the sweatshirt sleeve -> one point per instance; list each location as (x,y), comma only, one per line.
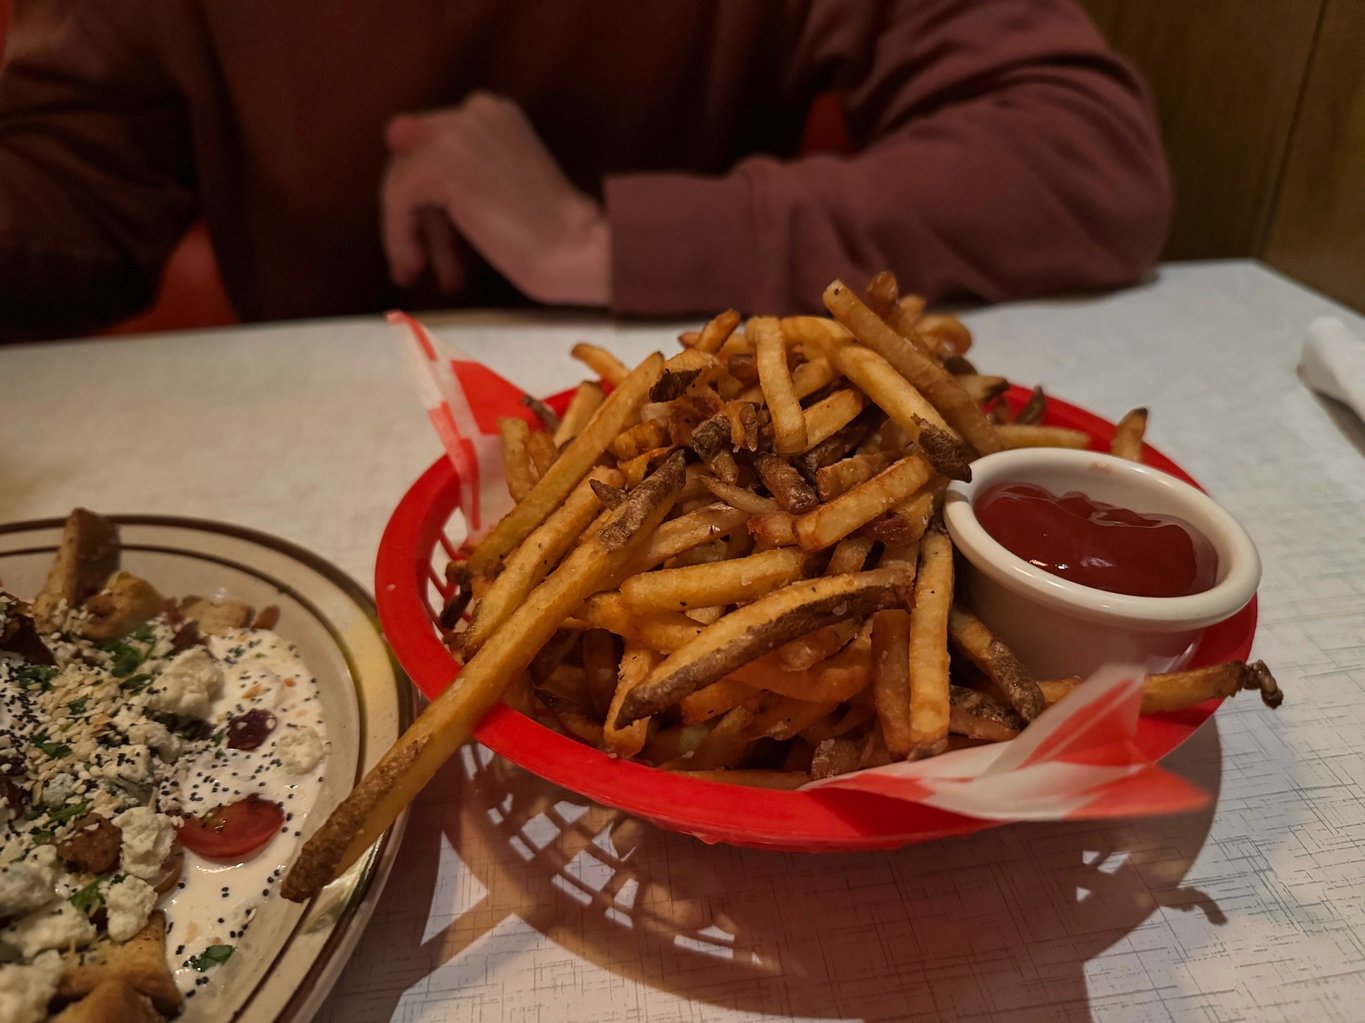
(1003,151)
(95,171)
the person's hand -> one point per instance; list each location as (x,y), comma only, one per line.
(481,165)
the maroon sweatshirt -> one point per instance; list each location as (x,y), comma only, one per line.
(1001,149)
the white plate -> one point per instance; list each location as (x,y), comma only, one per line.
(283,970)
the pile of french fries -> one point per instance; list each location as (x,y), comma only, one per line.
(730,563)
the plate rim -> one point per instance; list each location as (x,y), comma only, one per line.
(349,924)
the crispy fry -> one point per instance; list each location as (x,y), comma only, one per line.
(535,558)
(834,680)
(717,331)
(842,476)
(1127,442)
(659,630)
(637,439)
(637,468)
(548,419)
(789,424)
(888,389)
(677,589)
(600,661)
(714,700)
(773,529)
(810,376)
(785,717)
(830,415)
(757,629)
(937,385)
(669,745)
(739,497)
(928,646)
(600,361)
(571,466)
(834,757)
(1015,435)
(836,519)
(541,447)
(584,405)
(516,460)
(691,530)
(1265,682)
(450,719)
(683,371)
(636,664)
(792,493)
(1032,411)
(891,679)
(833,448)
(981,388)
(997,661)
(946,334)
(573,718)
(1181,689)
(812,333)
(977,716)
(725,744)
(805,652)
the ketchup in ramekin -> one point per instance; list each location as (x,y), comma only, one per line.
(1097,544)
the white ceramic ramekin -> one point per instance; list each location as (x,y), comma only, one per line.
(1058,627)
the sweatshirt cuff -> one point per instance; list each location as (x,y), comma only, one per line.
(681,244)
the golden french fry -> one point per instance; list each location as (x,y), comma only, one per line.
(789,424)
(600,361)
(636,664)
(1032,411)
(548,419)
(683,371)
(811,376)
(830,415)
(717,331)
(788,487)
(759,628)
(928,646)
(1128,434)
(541,447)
(725,744)
(946,334)
(739,497)
(891,679)
(936,384)
(533,560)
(711,522)
(834,757)
(600,664)
(572,465)
(636,440)
(842,476)
(977,716)
(785,717)
(997,661)
(834,680)
(727,582)
(887,388)
(982,388)
(516,460)
(773,529)
(812,333)
(584,405)
(448,722)
(1181,689)
(714,700)
(1016,435)
(836,519)
(805,652)
(658,630)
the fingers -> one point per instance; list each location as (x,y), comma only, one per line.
(438,241)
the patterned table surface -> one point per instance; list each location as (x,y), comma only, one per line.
(515,901)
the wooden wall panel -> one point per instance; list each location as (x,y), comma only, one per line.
(1318,230)
(1104,13)
(1227,78)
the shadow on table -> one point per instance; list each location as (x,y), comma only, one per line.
(999,922)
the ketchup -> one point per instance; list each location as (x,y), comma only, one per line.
(1097,544)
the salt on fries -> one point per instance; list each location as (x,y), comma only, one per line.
(731,565)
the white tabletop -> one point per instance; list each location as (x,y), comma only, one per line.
(516,901)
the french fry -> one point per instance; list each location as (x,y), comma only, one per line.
(658,630)
(682,371)
(541,447)
(1181,689)
(1032,411)
(845,474)
(832,448)
(548,419)
(450,719)
(600,361)
(600,661)
(888,389)
(929,378)
(790,490)
(636,664)
(516,460)
(533,560)
(785,717)
(928,647)
(944,333)
(773,529)
(982,388)
(813,333)
(836,519)
(977,716)
(1127,442)
(834,757)
(997,661)
(834,680)
(854,716)
(830,415)
(811,376)
(717,331)
(671,745)
(572,717)
(585,403)
(572,465)
(789,424)
(805,652)
(636,440)
(725,743)
(891,679)
(739,497)
(714,700)
(703,525)
(759,628)
(1016,435)
(677,589)
(883,298)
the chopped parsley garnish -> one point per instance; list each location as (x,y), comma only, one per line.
(135,683)
(77,706)
(143,633)
(212,956)
(68,813)
(55,750)
(40,837)
(89,898)
(126,658)
(35,676)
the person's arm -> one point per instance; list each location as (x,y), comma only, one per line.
(95,168)
(1005,152)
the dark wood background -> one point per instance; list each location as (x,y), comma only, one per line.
(1262,105)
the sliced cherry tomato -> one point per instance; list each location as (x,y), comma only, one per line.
(234,831)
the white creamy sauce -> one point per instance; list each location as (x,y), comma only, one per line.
(214,901)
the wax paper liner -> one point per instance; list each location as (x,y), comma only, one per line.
(1077,760)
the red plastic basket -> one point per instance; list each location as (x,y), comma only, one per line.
(410,588)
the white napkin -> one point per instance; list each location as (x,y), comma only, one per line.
(1333,362)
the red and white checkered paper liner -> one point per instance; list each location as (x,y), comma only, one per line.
(1078,760)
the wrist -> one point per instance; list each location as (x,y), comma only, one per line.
(577,271)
